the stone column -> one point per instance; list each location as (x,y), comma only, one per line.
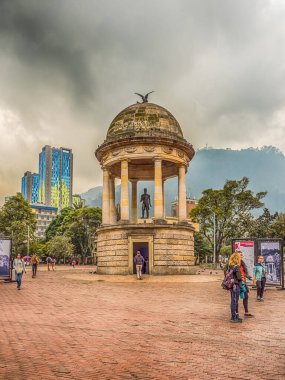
(113,217)
(124,190)
(163,201)
(182,193)
(134,201)
(158,200)
(106,198)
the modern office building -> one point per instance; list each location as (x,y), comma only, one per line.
(55,177)
(45,215)
(30,187)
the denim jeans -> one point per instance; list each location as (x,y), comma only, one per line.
(260,287)
(235,292)
(34,268)
(245,302)
(19,279)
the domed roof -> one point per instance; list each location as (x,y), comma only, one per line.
(144,119)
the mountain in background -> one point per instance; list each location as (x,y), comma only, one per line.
(210,168)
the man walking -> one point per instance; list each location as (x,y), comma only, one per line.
(48,262)
(34,261)
(139,261)
(259,275)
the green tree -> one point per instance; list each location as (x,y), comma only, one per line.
(78,204)
(229,209)
(55,228)
(16,219)
(262,225)
(201,247)
(60,247)
(226,250)
(277,229)
(38,248)
(81,228)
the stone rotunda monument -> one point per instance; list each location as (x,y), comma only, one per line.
(144,142)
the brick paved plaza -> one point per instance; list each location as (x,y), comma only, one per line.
(66,324)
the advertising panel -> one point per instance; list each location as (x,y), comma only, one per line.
(5,256)
(272,254)
(247,247)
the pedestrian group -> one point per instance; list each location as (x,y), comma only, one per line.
(20,267)
(236,274)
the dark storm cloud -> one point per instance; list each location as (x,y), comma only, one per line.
(68,66)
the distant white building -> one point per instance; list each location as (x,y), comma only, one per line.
(45,215)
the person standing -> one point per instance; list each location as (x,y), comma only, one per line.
(48,262)
(73,263)
(259,276)
(53,261)
(244,294)
(139,261)
(20,269)
(34,261)
(234,268)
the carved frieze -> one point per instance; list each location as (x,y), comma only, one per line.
(167,149)
(149,148)
(180,153)
(130,149)
(116,152)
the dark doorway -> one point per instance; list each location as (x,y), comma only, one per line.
(143,248)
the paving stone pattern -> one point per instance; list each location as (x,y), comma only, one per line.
(58,327)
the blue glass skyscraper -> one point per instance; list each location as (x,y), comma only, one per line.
(55,177)
(30,187)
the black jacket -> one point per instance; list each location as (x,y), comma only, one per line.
(237,275)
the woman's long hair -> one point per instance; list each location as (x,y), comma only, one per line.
(235,259)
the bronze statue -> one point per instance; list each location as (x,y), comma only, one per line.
(145,199)
(144,97)
(118,211)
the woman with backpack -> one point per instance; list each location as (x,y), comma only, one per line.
(236,279)
(20,269)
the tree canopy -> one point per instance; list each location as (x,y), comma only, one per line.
(81,228)
(263,225)
(229,209)
(60,247)
(16,216)
(79,225)
(55,227)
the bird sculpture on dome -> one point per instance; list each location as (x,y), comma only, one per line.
(144,97)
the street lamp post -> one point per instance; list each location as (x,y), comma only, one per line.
(214,240)
(28,245)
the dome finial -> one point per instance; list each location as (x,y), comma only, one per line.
(144,97)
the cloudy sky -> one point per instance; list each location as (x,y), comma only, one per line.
(67,67)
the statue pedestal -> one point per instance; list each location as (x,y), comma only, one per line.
(168,249)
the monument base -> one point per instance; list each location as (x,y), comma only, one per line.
(167,249)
